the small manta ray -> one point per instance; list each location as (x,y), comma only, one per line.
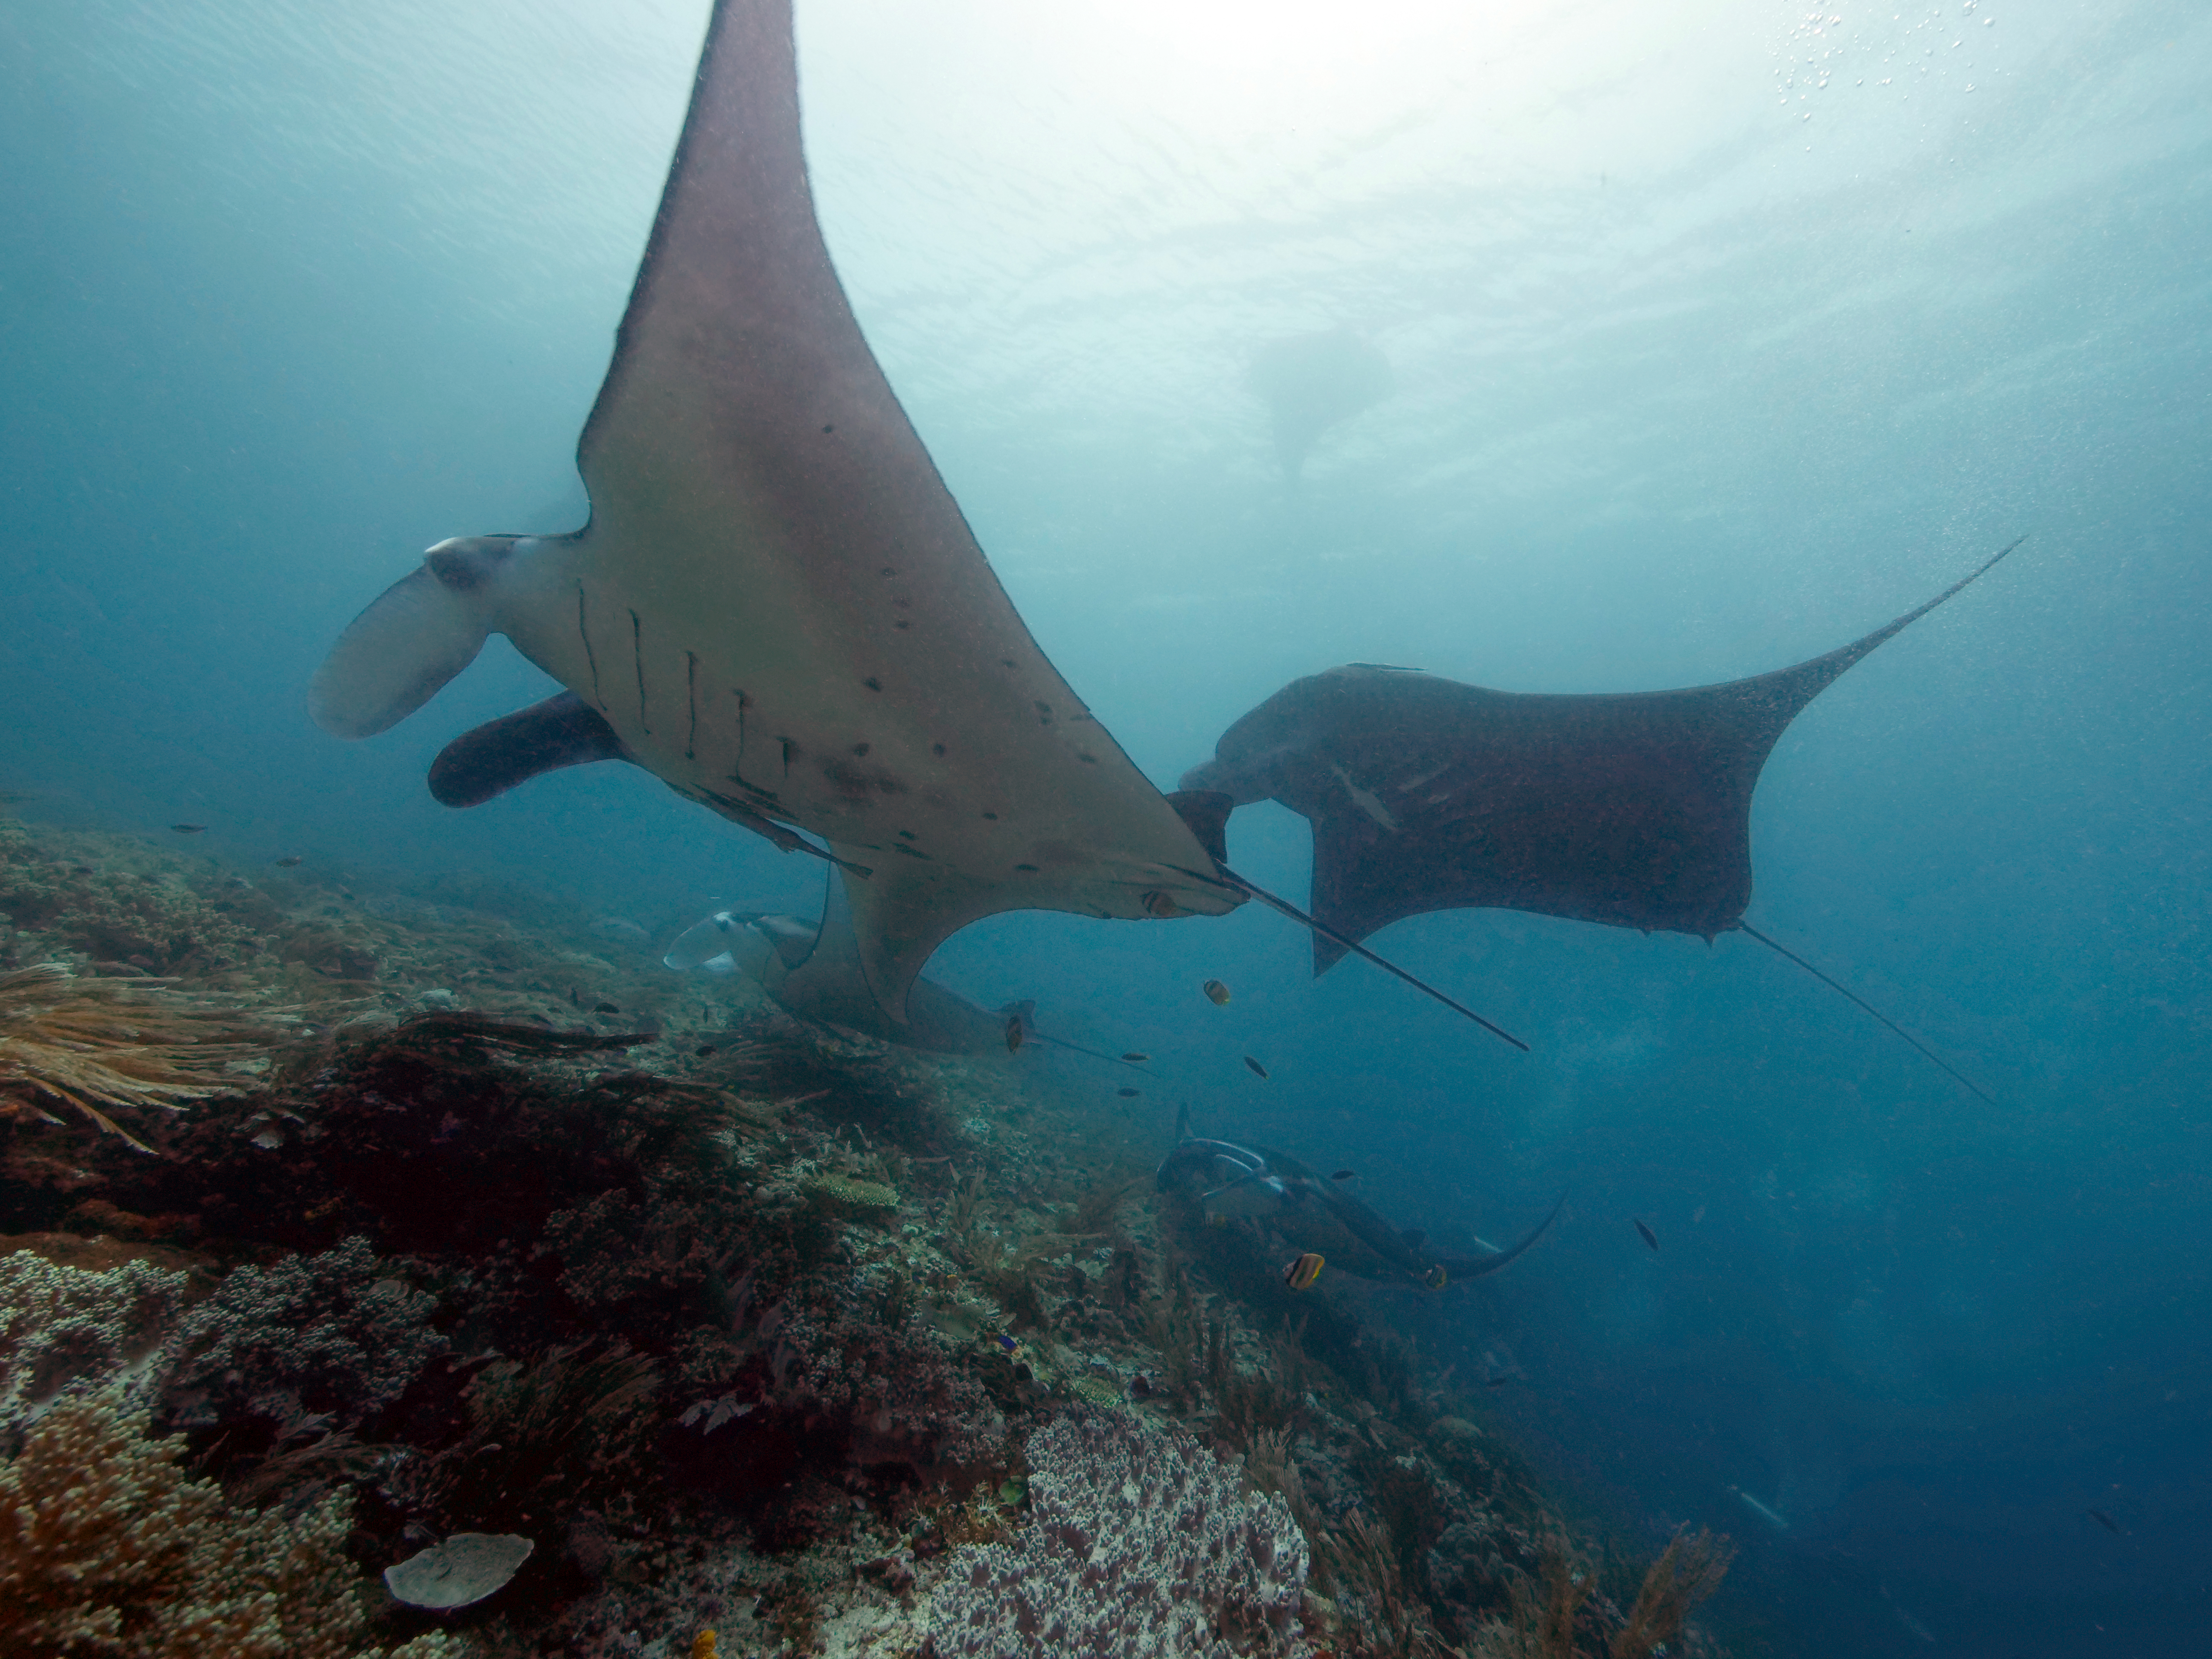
(1235,1181)
(811,970)
(1309,382)
(1631,808)
(776,607)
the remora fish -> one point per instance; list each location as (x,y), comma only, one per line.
(1760,1509)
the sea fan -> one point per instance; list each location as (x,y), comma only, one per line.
(105,1043)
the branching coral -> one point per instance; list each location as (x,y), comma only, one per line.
(63,1326)
(130,906)
(1691,1569)
(1542,1625)
(95,1043)
(1141,1544)
(107,1547)
(1365,1565)
(332,1335)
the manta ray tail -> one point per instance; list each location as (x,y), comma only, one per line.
(1788,954)
(1022,1010)
(1231,878)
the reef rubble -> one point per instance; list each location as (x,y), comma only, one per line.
(741,1325)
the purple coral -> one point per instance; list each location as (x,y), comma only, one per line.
(1141,1544)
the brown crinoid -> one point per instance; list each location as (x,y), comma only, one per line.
(95,1043)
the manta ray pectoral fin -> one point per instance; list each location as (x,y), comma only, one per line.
(492,758)
(425,628)
(721,934)
(1491,1264)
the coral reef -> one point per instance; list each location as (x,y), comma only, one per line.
(65,1330)
(106,1546)
(1545,1610)
(95,1043)
(743,1324)
(544,1440)
(123,910)
(1687,1571)
(1141,1544)
(332,1338)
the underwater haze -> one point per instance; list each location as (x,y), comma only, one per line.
(1719,333)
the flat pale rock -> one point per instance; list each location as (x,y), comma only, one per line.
(464,1570)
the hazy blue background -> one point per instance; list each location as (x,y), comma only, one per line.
(1722,331)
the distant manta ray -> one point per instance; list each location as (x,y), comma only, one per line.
(1232,1181)
(1309,382)
(1629,809)
(776,607)
(811,970)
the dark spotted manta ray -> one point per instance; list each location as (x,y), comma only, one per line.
(776,607)
(1633,810)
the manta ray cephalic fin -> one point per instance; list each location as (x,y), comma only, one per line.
(417,633)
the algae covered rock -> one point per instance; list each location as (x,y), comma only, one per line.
(1094,1390)
(851,1198)
(1450,1435)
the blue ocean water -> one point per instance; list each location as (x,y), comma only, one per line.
(1721,333)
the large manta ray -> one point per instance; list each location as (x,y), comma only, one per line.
(1631,808)
(777,607)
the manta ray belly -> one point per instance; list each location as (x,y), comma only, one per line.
(752,705)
